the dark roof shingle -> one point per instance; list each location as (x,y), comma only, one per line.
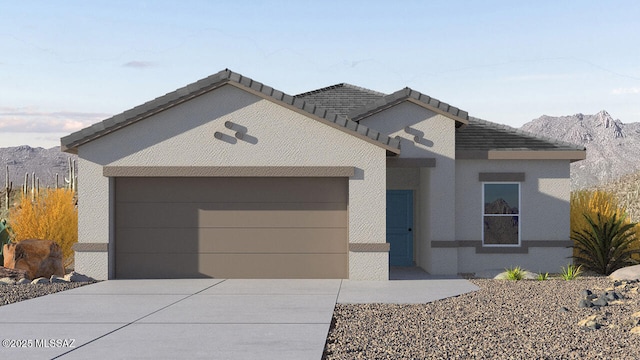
(341,98)
(485,135)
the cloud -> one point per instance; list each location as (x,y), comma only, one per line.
(139,64)
(29,120)
(624,91)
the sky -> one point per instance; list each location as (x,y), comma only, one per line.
(65,65)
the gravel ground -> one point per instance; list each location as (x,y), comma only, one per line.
(14,293)
(503,320)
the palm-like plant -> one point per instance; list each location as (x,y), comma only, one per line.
(605,246)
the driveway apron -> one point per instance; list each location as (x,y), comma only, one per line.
(196,318)
(174,319)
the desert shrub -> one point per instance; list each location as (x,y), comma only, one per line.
(5,237)
(606,245)
(52,216)
(515,273)
(571,272)
(593,202)
(542,277)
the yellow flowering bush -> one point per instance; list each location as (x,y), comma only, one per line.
(52,216)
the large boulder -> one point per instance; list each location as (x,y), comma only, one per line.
(626,273)
(40,258)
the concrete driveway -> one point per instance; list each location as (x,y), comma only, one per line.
(196,318)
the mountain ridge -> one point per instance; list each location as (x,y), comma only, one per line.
(613,147)
(38,161)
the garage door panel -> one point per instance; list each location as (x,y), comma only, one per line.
(156,215)
(232,190)
(235,266)
(272,219)
(209,240)
(231,227)
(186,215)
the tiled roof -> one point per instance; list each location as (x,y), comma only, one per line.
(341,98)
(341,105)
(485,135)
(72,141)
(460,116)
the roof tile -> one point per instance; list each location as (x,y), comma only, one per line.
(72,141)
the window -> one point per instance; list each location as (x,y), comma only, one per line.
(501,214)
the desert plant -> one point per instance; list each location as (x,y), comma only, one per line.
(607,245)
(5,238)
(542,277)
(52,216)
(571,272)
(594,202)
(515,273)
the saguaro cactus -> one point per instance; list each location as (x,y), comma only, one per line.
(25,186)
(8,187)
(72,181)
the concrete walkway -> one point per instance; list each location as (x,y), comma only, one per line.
(197,318)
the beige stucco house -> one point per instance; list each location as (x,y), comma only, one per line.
(230,178)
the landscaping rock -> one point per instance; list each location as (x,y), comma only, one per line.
(7,280)
(591,322)
(627,273)
(23,281)
(563,309)
(40,258)
(635,330)
(77,277)
(612,295)
(585,303)
(57,279)
(40,280)
(586,292)
(600,301)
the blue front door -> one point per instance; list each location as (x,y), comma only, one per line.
(400,227)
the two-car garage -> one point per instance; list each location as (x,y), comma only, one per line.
(231,227)
(230,178)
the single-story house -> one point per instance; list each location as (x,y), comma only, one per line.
(230,178)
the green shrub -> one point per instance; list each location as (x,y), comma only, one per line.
(515,273)
(542,277)
(571,272)
(5,238)
(607,244)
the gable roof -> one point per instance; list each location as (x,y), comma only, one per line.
(475,138)
(460,116)
(342,106)
(358,103)
(485,139)
(71,142)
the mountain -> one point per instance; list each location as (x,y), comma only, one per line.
(45,163)
(499,206)
(613,148)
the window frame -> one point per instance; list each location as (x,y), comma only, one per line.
(519,244)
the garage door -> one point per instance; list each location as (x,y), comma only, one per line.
(231,227)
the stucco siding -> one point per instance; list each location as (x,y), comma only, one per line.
(538,259)
(273,136)
(544,212)
(425,134)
